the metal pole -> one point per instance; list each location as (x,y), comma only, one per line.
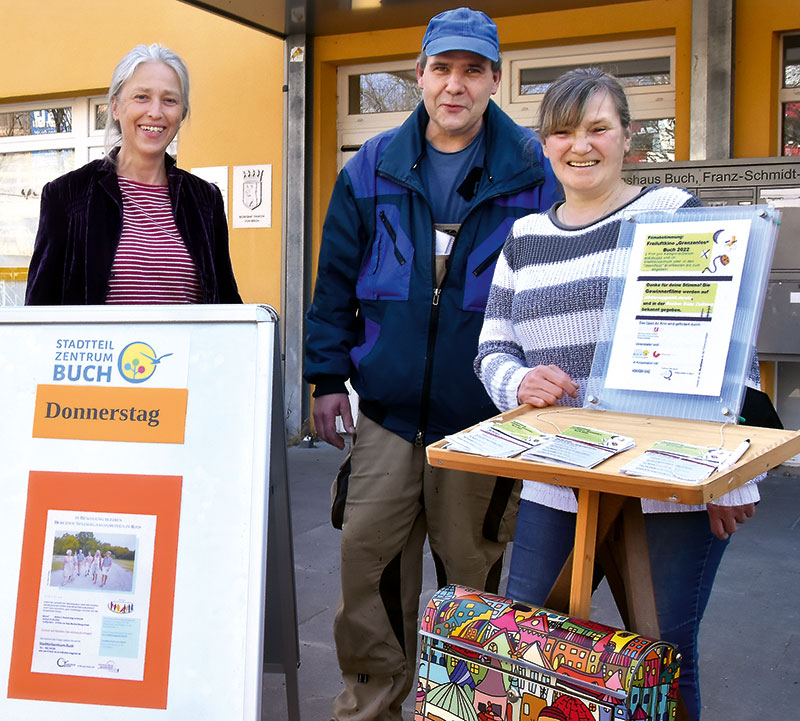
(712,80)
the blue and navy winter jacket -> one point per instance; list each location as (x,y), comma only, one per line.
(377,317)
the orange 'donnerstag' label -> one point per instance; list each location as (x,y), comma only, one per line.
(92,413)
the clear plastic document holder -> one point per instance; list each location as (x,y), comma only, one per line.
(680,321)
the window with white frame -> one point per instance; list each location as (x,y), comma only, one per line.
(38,142)
(644,67)
(380,96)
(371,99)
(790,95)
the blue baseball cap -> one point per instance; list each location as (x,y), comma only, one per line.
(462,29)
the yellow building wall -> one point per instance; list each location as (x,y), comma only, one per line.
(759,25)
(647,18)
(70,49)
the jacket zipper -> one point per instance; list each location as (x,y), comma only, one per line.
(397,254)
(419,436)
(484,264)
(433,327)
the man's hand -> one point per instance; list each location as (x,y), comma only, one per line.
(544,385)
(326,409)
(724,520)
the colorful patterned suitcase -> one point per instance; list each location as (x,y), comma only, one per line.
(488,658)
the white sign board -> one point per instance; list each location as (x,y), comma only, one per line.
(251,200)
(218,175)
(135,446)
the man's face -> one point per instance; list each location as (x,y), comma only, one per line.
(456,87)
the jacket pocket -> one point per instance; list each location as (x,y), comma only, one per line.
(480,267)
(386,274)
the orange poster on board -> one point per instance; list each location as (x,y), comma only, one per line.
(96,589)
(109,413)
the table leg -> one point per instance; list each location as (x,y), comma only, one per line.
(580,602)
(636,572)
(610,508)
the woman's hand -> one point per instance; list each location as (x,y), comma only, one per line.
(544,385)
(724,520)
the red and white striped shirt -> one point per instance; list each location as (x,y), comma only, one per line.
(152,264)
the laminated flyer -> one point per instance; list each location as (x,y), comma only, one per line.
(676,314)
(496,439)
(578,446)
(94,595)
(675,461)
(483,443)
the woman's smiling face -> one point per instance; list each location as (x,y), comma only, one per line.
(587,159)
(149,110)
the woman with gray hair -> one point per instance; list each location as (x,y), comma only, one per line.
(133,228)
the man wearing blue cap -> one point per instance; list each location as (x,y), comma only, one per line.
(415,224)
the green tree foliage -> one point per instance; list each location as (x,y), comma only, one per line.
(86,542)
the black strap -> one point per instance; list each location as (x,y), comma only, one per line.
(757,410)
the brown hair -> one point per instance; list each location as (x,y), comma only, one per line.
(565,100)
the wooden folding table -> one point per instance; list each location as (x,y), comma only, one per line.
(610,523)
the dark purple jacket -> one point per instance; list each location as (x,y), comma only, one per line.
(80,225)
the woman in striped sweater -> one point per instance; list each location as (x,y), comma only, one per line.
(538,341)
(132,227)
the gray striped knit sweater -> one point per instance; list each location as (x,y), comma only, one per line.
(545,305)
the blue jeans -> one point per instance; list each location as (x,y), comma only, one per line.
(684,556)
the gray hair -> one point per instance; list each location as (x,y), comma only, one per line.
(126,67)
(565,100)
(422,59)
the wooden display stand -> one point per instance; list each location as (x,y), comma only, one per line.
(610,523)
